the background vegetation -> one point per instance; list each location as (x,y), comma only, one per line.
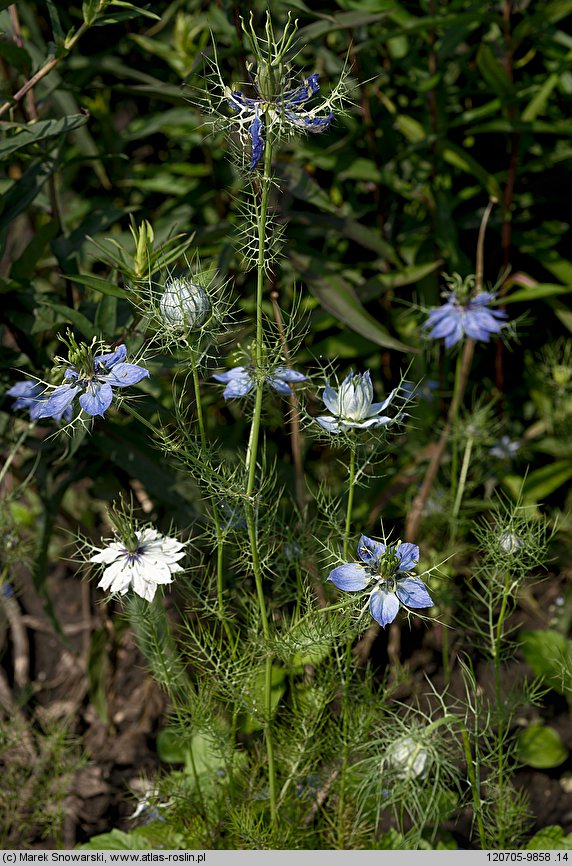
(450,104)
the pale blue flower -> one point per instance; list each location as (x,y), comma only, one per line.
(240,381)
(473,318)
(288,110)
(505,449)
(352,405)
(31,396)
(385,571)
(93,384)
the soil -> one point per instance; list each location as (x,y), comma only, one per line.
(112,710)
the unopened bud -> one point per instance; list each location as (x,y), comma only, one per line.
(408,758)
(184,303)
(510,543)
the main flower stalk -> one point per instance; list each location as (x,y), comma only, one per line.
(251,457)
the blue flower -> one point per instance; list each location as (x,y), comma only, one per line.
(384,568)
(353,406)
(240,381)
(94,384)
(287,110)
(505,449)
(31,396)
(473,319)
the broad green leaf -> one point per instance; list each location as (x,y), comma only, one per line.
(538,102)
(157,835)
(106,316)
(24,267)
(410,128)
(340,21)
(495,74)
(74,317)
(459,158)
(140,10)
(339,298)
(534,293)
(301,185)
(21,194)
(395,279)
(99,284)
(57,29)
(540,483)
(361,169)
(15,55)
(39,131)
(541,747)
(563,312)
(550,839)
(549,654)
(368,238)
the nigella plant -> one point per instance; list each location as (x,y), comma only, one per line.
(289,110)
(352,405)
(464,314)
(240,381)
(31,395)
(143,561)
(91,377)
(384,571)
(281,103)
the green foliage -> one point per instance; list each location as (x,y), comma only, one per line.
(541,747)
(290,722)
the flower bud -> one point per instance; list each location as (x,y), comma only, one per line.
(510,543)
(184,303)
(408,758)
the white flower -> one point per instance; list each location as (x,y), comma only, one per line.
(184,303)
(152,562)
(352,405)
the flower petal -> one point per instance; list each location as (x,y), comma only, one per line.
(97,398)
(123,375)
(370,551)
(413,593)
(58,402)
(408,555)
(332,425)
(330,398)
(289,375)
(383,606)
(240,382)
(255,130)
(350,577)
(111,358)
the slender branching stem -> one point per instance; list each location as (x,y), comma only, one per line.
(214,507)
(350,503)
(345,749)
(251,457)
(44,70)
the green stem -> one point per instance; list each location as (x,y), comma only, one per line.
(214,508)
(345,756)
(251,457)
(45,69)
(461,486)
(473,781)
(455,424)
(349,507)
(502,725)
